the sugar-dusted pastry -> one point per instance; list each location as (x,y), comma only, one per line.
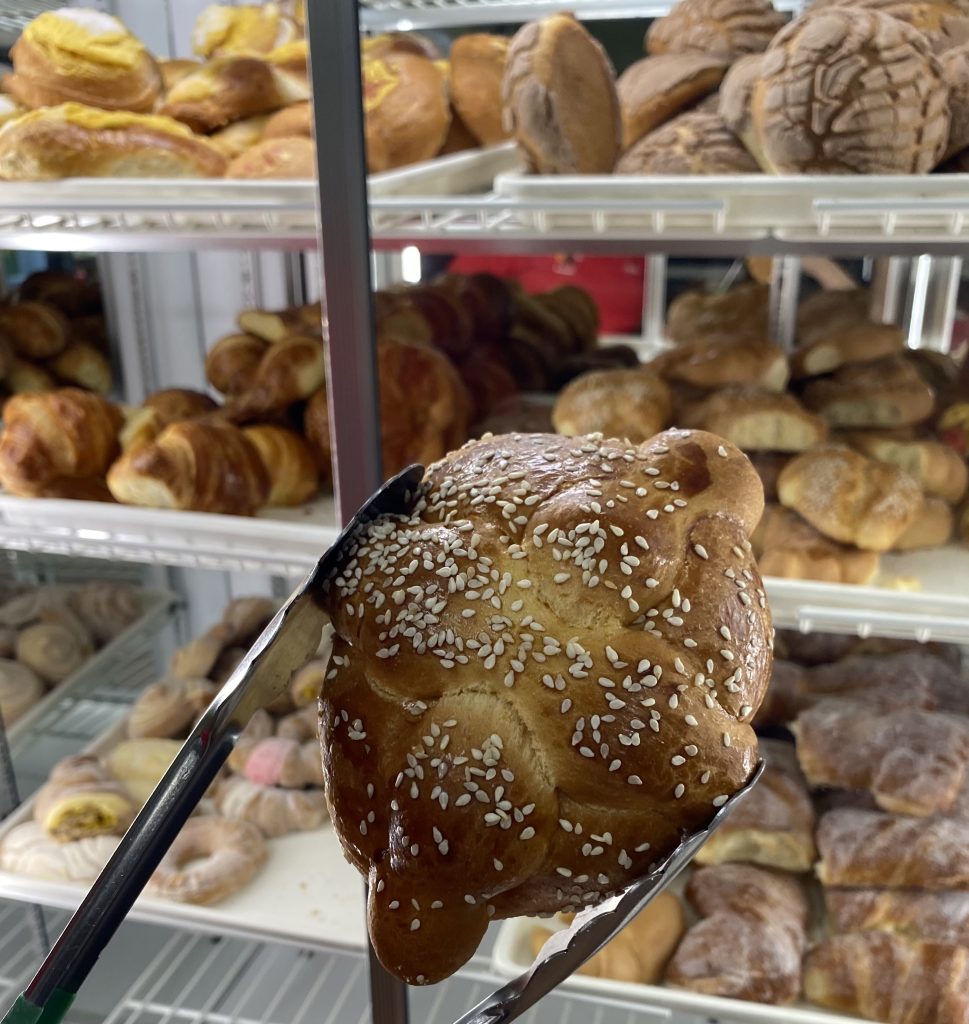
(27,849)
(20,689)
(275,810)
(627,568)
(756,419)
(633,403)
(169,707)
(73,55)
(106,607)
(52,650)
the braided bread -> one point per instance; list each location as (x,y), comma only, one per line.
(538,739)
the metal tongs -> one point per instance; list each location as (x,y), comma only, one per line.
(284,646)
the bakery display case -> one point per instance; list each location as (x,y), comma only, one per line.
(179,260)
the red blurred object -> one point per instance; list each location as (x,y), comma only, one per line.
(616,283)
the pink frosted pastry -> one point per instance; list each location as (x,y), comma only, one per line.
(270,760)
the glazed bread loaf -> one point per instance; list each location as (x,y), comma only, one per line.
(723,28)
(560,98)
(633,404)
(74,141)
(73,55)
(757,420)
(807,118)
(592,670)
(888,392)
(697,142)
(850,498)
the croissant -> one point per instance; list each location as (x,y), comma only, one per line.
(83,365)
(36,330)
(203,465)
(65,434)
(276,811)
(289,462)
(173,404)
(51,650)
(290,370)
(274,326)
(232,363)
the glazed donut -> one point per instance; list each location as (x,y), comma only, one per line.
(276,811)
(20,689)
(169,707)
(28,850)
(210,859)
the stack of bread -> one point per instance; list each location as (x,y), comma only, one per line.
(730,87)
(52,333)
(843,432)
(48,632)
(841,880)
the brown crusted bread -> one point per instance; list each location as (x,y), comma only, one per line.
(82,56)
(233,361)
(84,366)
(296,120)
(602,679)
(955,64)
(74,141)
(654,89)
(36,330)
(277,159)
(407,110)
(850,498)
(791,548)
(757,420)
(736,94)
(820,648)
(884,977)
(720,361)
(229,89)
(769,466)
(560,98)
(888,392)
(721,28)
(692,143)
(290,370)
(827,312)
(912,913)
(891,851)
(750,940)
(945,23)
(914,762)
(859,343)
(932,528)
(890,115)
(774,826)
(741,312)
(938,467)
(477,70)
(632,403)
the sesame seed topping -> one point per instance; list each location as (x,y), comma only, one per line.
(719,801)
(679,791)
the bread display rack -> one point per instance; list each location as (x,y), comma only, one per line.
(472,202)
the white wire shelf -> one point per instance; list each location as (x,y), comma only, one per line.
(383,15)
(284,542)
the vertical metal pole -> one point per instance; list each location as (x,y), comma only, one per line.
(931,302)
(887,284)
(785,287)
(334,37)
(654,300)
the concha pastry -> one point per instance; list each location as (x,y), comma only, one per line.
(52,650)
(849,91)
(717,28)
(945,23)
(23,609)
(20,689)
(693,143)
(956,66)
(598,699)
(106,608)
(28,850)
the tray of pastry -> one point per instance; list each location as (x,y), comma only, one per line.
(296,888)
(790,206)
(62,641)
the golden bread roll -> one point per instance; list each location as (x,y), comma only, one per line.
(76,55)
(826,312)
(692,143)
(933,527)
(232,362)
(399,42)
(9,109)
(940,469)
(277,159)
(757,420)
(860,343)
(741,312)
(74,141)
(406,108)
(206,465)
(276,325)
(229,89)
(223,29)
(290,371)
(654,89)
(850,498)
(175,69)
(458,138)
(791,548)
(62,435)
(236,138)
(633,403)
(945,23)
(717,362)
(567,516)
(289,463)
(560,98)
(854,124)
(639,953)
(84,366)
(477,70)
(888,392)
(295,120)
(727,29)
(36,330)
